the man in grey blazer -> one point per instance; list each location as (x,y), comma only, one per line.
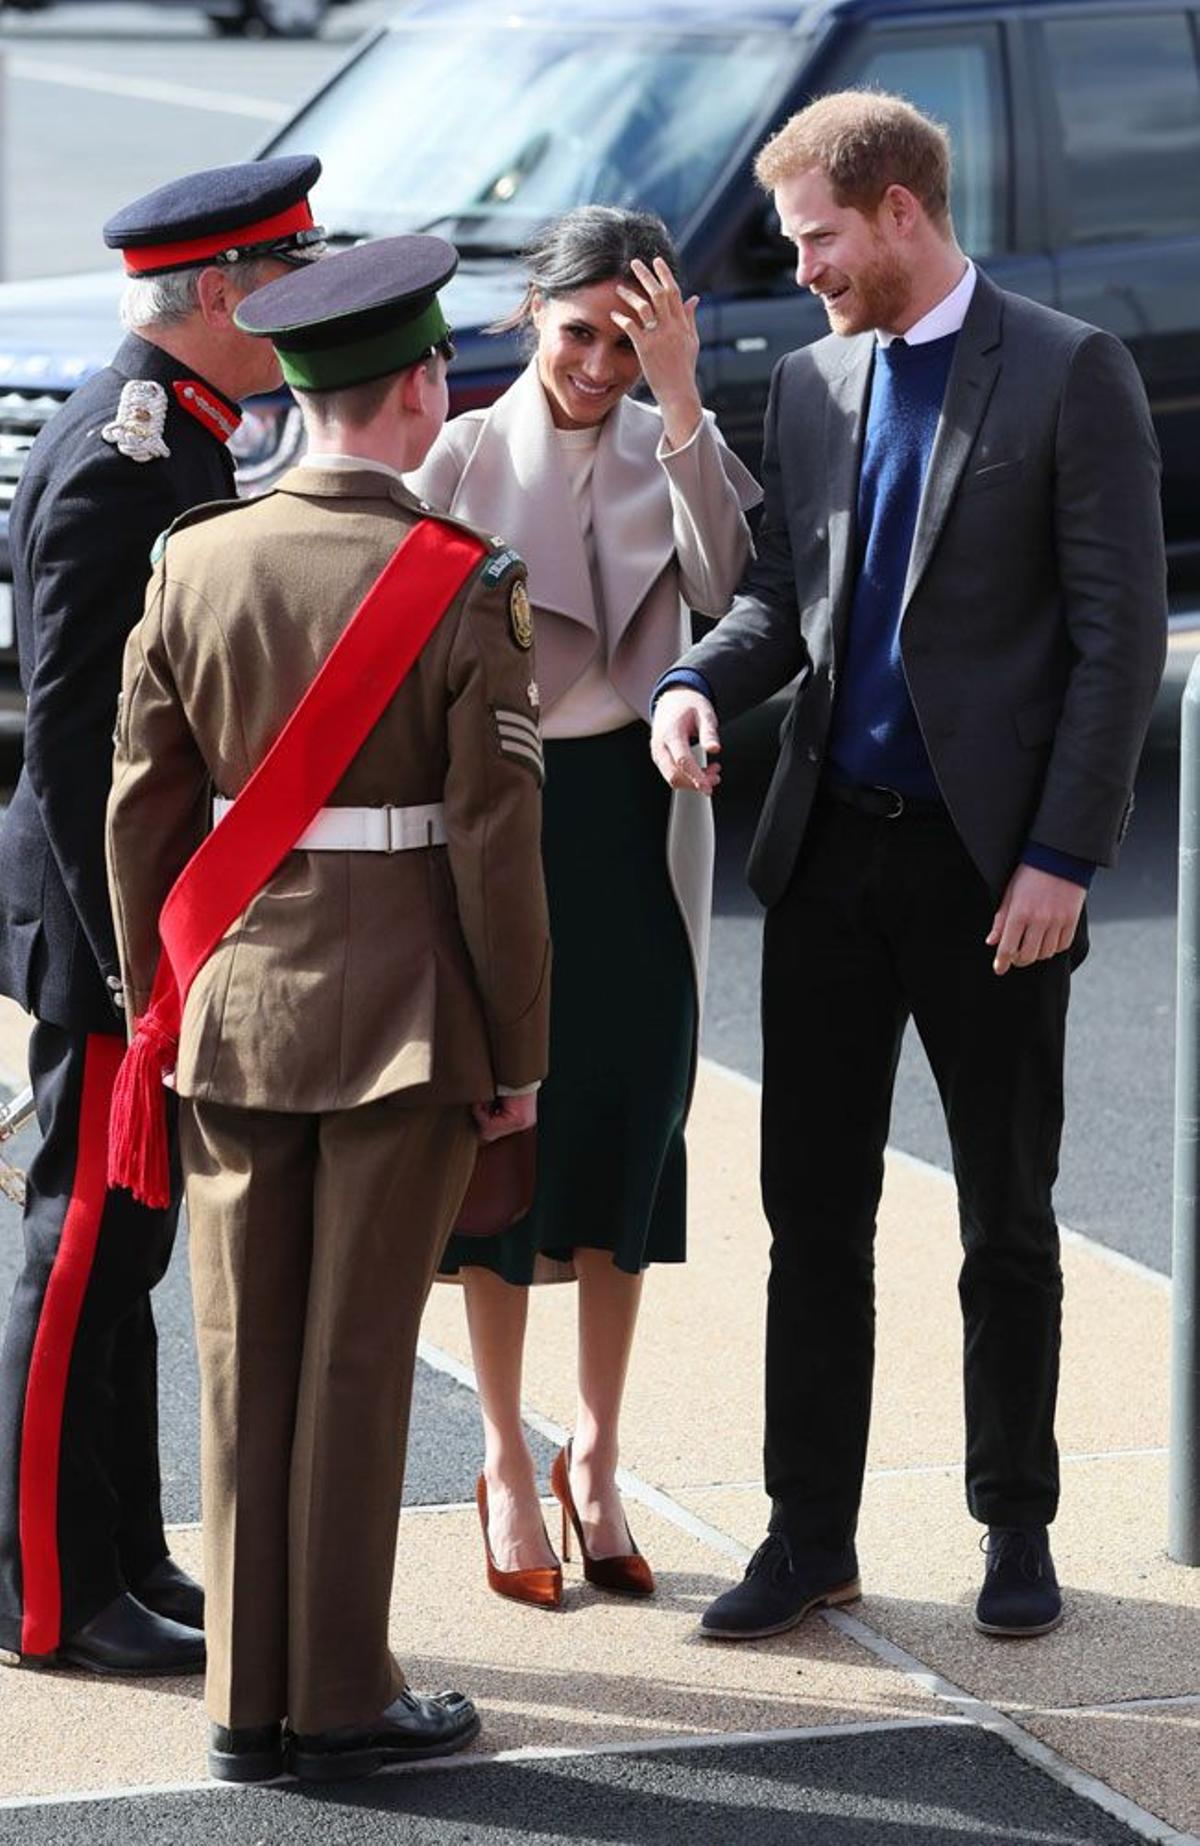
(961,566)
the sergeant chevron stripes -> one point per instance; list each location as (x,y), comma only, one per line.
(520,738)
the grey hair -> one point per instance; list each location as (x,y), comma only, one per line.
(171,299)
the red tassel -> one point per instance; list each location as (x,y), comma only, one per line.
(137,1127)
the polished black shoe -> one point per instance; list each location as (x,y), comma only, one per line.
(414,1726)
(779,1588)
(1020,1594)
(127,1638)
(246,1755)
(169,1591)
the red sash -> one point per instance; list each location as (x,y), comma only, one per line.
(365,667)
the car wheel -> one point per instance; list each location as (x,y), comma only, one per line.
(283,18)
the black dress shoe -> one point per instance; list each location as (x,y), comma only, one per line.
(414,1726)
(169,1591)
(127,1638)
(246,1755)
(778,1590)
(1020,1594)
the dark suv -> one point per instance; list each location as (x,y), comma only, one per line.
(1076,125)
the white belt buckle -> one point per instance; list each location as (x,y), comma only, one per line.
(394,828)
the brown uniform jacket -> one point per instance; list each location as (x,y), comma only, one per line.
(351,975)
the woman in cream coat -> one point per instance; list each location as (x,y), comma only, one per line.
(627,514)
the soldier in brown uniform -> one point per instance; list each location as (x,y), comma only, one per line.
(388,976)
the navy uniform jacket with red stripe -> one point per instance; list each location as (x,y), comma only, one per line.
(84,521)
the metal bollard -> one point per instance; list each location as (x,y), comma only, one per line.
(1183,1529)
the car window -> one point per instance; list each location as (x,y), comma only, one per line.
(492,132)
(1128,98)
(956,78)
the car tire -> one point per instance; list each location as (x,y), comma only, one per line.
(283,18)
(228,25)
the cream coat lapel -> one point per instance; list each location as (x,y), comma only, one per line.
(516,472)
(635,538)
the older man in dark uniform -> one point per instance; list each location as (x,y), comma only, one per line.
(84,1573)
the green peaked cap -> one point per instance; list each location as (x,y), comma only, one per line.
(359,315)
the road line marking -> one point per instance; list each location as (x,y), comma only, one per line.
(524,1753)
(1117,1258)
(922,1468)
(148,89)
(540,1753)
(1117,1705)
(1140,1820)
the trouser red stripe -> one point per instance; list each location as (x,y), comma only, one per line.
(46,1389)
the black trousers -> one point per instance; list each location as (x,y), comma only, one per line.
(80,1512)
(883,920)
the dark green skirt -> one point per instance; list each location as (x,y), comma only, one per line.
(611,1163)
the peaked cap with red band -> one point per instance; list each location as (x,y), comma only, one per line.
(225,215)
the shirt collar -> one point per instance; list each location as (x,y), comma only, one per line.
(351,463)
(947,317)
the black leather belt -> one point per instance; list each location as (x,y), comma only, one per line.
(881,803)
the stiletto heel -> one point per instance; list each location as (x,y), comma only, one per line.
(541,1586)
(629,1575)
(566,1535)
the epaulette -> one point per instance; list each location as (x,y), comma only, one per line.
(194,516)
(502,559)
(136,429)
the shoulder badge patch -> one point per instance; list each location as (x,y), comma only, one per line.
(520,615)
(137,428)
(497,568)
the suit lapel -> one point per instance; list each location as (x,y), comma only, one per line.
(973,373)
(845,422)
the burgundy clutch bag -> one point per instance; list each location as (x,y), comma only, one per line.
(501,1188)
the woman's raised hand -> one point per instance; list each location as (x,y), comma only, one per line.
(661,327)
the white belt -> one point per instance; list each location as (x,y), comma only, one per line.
(365,829)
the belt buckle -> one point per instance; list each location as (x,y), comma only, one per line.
(392,829)
(894,795)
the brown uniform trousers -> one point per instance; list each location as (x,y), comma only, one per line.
(329,1050)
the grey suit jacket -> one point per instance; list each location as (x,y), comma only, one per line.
(1034,620)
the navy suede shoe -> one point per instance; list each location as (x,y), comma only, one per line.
(779,1588)
(1020,1594)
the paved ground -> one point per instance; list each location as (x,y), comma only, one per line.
(893,1719)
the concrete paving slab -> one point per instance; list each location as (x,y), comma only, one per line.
(949,1786)
(1132,1628)
(700,1342)
(1151,1755)
(600,1670)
